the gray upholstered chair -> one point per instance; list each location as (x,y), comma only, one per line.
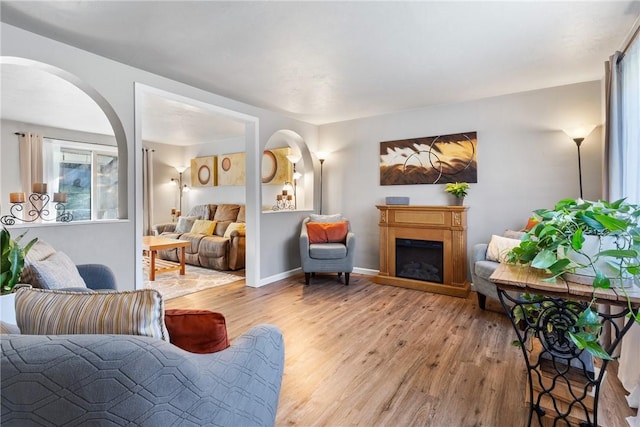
(482,268)
(326,257)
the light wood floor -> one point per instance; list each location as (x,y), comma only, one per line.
(375,355)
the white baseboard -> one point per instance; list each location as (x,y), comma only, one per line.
(266,280)
(279,276)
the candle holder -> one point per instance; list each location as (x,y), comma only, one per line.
(284,202)
(37,208)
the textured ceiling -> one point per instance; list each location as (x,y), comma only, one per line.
(323,62)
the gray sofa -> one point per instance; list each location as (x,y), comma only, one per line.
(79,380)
(216,251)
(482,269)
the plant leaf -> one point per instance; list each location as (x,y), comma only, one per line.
(577,240)
(596,349)
(612,224)
(601,281)
(558,267)
(619,253)
(544,259)
(591,222)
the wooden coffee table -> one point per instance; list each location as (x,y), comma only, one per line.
(153,244)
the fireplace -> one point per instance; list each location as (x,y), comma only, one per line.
(420,260)
(424,247)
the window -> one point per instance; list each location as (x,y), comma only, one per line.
(87,173)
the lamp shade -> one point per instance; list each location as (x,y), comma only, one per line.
(181,169)
(322,155)
(294,158)
(579,131)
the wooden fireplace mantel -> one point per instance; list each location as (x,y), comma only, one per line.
(446,224)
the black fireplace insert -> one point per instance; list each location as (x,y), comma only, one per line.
(420,260)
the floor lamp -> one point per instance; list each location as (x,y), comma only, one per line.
(322,156)
(578,135)
(181,187)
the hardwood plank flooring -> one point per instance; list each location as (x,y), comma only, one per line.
(376,355)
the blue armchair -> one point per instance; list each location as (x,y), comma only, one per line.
(326,257)
(97,276)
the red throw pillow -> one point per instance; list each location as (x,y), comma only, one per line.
(197,331)
(327,232)
(531,223)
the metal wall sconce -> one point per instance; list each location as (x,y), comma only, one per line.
(578,135)
(183,188)
(296,176)
(38,209)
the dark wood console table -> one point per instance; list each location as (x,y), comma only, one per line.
(563,383)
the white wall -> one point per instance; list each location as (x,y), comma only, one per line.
(120,241)
(525,161)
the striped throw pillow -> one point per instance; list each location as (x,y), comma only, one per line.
(51,312)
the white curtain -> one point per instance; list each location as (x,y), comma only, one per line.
(622,157)
(31,169)
(147,191)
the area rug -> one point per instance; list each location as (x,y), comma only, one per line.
(172,285)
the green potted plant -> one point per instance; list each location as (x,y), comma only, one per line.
(12,259)
(598,241)
(457,189)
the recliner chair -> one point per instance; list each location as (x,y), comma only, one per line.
(329,257)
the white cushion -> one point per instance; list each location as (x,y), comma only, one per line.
(499,247)
(56,272)
(39,251)
(325,218)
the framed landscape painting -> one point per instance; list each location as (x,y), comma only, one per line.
(430,160)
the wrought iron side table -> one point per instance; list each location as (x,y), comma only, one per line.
(563,383)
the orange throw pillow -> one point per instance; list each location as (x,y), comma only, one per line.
(327,232)
(197,331)
(531,223)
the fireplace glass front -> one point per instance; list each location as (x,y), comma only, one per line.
(419,260)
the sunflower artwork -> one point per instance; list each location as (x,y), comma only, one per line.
(429,160)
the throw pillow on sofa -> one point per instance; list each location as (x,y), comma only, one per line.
(203,226)
(41,250)
(327,232)
(197,331)
(499,247)
(239,226)
(50,312)
(56,272)
(185,224)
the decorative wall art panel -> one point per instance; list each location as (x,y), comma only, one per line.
(429,160)
(203,171)
(276,168)
(231,169)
